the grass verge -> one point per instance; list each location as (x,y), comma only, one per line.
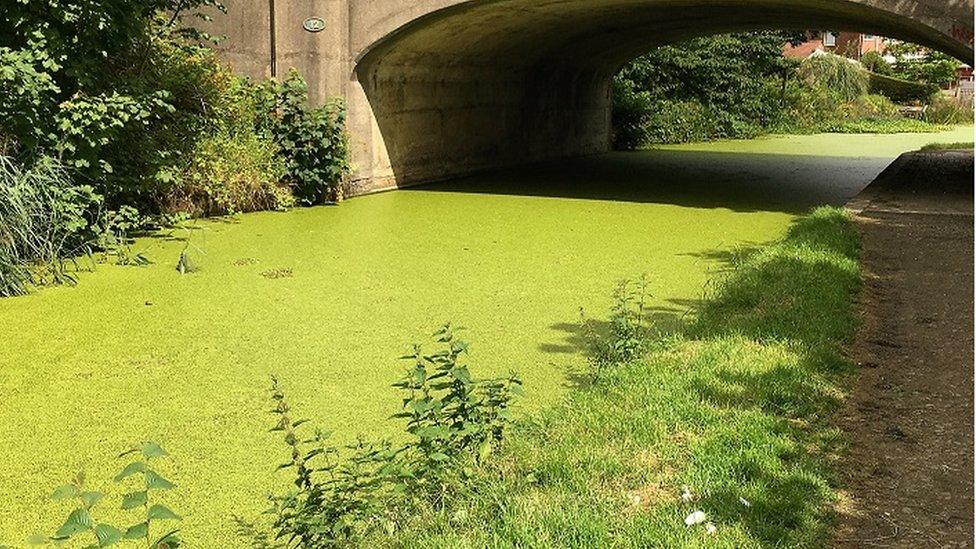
(735,409)
(959,145)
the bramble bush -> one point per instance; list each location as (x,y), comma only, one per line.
(313,143)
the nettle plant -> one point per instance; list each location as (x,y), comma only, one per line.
(332,500)
(455,421)
(627,331)
(449,412)
(81,524)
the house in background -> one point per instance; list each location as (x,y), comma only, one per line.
(848,44)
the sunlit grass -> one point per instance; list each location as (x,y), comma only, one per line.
(958,145)
(734,410)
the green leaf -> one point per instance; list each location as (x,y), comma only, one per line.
(37,539)
(131,469)
(67,491)
(134,499)
(152,450)
(90,498)
(168,540)
(78,521)
(161,512)
(107,534)
(137,531)
(156,482)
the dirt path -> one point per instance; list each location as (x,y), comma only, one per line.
(908,478)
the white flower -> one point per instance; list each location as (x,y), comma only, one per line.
(686,494)
(697,517)
(710,528)
(744,501)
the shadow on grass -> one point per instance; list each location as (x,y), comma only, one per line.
(577,338)
(791,307)
(734,407)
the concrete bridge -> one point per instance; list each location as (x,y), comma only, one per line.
(437,88)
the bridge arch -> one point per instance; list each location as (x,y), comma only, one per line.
(455,87)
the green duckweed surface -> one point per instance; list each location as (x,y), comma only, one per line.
(133,353)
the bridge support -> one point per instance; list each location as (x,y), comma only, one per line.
(438,88)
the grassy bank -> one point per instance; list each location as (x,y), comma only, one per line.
(959,145)
(734,409)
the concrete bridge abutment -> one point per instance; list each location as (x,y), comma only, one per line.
(439,88)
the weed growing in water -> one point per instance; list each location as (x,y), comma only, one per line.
(456,421)
(80,522)
(115,238)
(628,329)
(277,272)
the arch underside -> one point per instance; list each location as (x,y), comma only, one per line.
(491,83)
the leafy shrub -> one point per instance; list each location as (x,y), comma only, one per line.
(875,62)
(85,86)
(45,221)
(90,125)
(230,174)
(694,90)
(81,523)
(630,111)
(313,143)
(28,100)
(836,73)
(899,90)
(453,420)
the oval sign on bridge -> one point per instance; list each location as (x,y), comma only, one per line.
(314,24)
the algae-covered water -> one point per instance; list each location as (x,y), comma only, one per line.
(132,353)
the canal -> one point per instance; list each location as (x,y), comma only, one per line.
(327,298)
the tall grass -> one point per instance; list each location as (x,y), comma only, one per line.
(949,110)
(44,224)
(727,419)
